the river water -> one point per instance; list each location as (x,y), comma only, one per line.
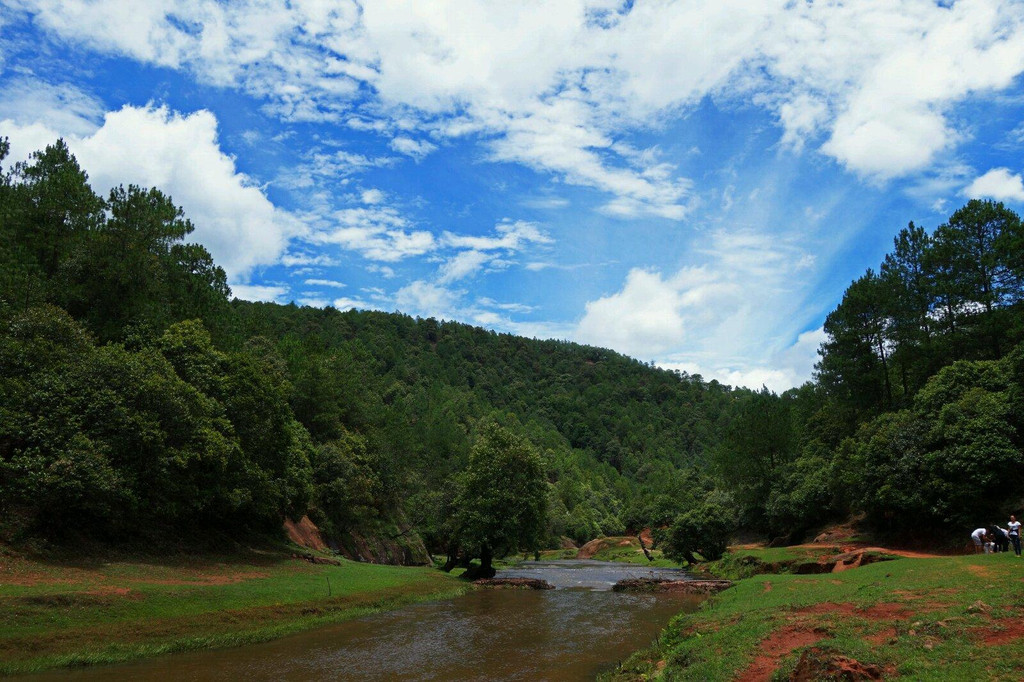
(570,633)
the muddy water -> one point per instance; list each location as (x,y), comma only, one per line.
(569,633)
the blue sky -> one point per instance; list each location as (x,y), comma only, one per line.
(690,183)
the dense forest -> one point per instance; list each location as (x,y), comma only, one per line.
(138,400)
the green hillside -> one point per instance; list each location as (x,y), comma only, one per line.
(139,402)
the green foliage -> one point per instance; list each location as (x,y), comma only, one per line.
(704,529)
(502,498)
(134,395)
(805,493)
(947,461)
(346,489)
(757,443)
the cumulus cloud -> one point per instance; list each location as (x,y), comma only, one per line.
(730,317)
(463,265)
(999,184)
(428,300)
(181,155)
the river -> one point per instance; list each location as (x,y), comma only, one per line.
(570,633)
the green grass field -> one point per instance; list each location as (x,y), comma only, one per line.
(950,618)
(68,613)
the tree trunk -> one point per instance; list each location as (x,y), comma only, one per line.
(486,558)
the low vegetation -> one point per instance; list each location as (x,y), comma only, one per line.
(82,612)
(935,618)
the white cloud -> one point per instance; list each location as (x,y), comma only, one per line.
(181,156)
(428,300)
(371,196)
(417,149)
(793,366)
(731,317)
(54,107)
(557,88)
(510,236)
(314,301)
(382,270)
(320,167)
(545,203)
(326,283)
(508,307)
(642,320)
(488,251)
(350,303)
(998,184)
(300,259)
(375,232)
(463,265)
(255,292)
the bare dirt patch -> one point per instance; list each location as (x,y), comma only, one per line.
(776,646)
(819,664)
(1003,631)
(647,537)
(305,534)
(873,612)
(588,550)
(208,579)
(882,636)
(981,571)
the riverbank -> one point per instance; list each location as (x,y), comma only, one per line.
(74,612)
(936,618)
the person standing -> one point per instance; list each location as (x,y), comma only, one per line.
(1013,531)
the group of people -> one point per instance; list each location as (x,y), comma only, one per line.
(997,539)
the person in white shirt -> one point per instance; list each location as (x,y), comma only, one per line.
(1013,530)
(979,537)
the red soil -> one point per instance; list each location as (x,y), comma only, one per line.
(874,612)
(1004,631)
(774,648)
(304,534)
(860,547)
(588,550)
(882,636)
(816,664)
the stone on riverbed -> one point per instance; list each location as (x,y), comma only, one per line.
(665,585)
(515,583)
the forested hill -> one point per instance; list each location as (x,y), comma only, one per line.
(137,400)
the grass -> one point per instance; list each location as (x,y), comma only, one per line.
(951,618)
(78,613)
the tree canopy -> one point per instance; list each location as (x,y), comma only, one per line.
(137,399)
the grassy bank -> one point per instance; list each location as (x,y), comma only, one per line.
(948,618)
(70,613)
